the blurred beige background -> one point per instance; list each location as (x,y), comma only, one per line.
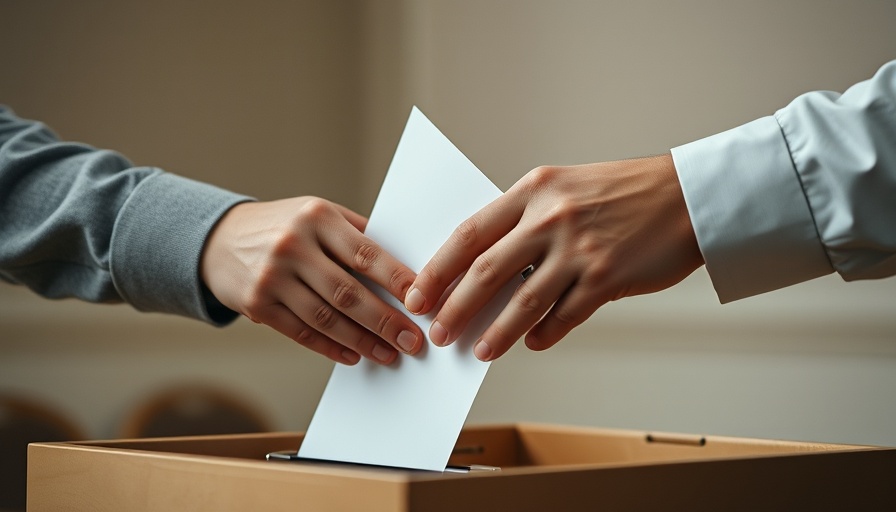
(284,98)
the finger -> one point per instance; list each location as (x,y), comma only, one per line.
(456,255)
(504,261)
(360,253)
(354,218)
(576,306)
(330,322)
(355,303)
(284,321)
(355,300)
(530,302)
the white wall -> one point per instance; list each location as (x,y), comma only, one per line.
(514,85)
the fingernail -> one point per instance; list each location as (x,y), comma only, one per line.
(407,341)
(351,356)
(414,301)
(482,351)
(381,353)
(438,334)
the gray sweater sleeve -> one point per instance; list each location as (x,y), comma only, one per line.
(76,221)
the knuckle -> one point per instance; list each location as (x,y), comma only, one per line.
(467,233)
(541,176)
(564,210)
(254,301)
(526,298)
(595,275)
(315,206)
(325,317)
(303,335)
(287,246)
(346,295)
(484,271)
(385,321)
(499,338)
(566,317)
(365,256)
(432,276)
(314,209)
(400,281)
(452,316)
(588,245)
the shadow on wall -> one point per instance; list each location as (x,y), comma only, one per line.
(181,410)
(194,409)
(22,421)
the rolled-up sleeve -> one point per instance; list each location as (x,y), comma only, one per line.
(794,196)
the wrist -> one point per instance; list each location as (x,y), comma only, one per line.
(679,210)
(213,263)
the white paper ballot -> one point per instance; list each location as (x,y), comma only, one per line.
(410,413)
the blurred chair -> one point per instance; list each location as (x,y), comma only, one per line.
(193,409)
(24,421)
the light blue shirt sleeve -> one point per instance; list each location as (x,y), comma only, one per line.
(794,196)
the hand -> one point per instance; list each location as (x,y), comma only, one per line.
(594,233)
(284,263)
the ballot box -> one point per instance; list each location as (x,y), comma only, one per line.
(542,467)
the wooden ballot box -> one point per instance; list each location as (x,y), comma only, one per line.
(542,467)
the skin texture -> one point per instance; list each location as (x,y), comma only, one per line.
(287,264)
(594,233)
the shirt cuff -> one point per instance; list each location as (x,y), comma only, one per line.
(157,242)
(751,217)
